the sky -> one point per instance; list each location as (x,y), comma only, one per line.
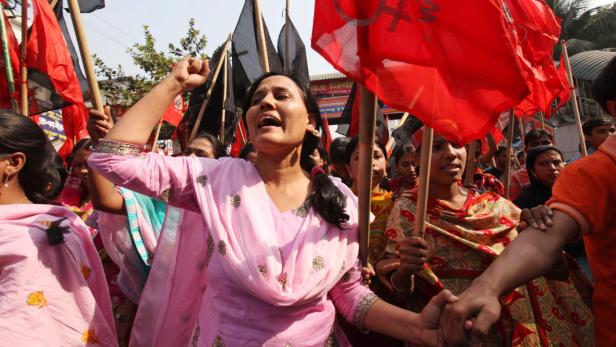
(112,30)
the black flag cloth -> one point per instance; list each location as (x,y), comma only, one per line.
(246,62)
(298,63)
(213,112)
(83,82)
(87,6)
(349,120)
(402,135)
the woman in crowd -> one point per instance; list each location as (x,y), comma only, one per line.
(52,283)
(465,231)
(321,159)
(404,159)
(276,236)
(205,145)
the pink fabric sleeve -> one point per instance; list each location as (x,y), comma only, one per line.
(351,298)
(155,175)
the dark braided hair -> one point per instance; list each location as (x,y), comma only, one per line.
(326,198)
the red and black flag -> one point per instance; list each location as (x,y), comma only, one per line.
(349,119)
(246,60)
(452,65)
(13,54)
(211,121)
(298,63)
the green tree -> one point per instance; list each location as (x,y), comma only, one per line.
(124,90)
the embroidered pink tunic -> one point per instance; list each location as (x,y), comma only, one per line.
(240,270)
(51,295)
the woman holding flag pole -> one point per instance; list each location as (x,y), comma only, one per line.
(272,243)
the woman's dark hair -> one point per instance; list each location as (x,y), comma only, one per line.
(85,143)
(536,134)
(531,159)
(352,146)
(326,198)
(400,151)
(324,156)
(40,171)
(248,148)
(219,148)
(602,88)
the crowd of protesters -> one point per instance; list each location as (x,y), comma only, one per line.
(123,244)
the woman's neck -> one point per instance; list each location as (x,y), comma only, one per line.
(280,169)
(13,194)
(448,193)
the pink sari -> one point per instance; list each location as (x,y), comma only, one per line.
(51,295)
(228,229)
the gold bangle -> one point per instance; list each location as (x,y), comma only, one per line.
(118,148)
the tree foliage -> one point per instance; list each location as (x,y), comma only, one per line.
(124,90)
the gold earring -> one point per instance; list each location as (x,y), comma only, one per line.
(6,180)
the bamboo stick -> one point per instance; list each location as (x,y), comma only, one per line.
(542,121)
(424,181)
(287,21)
(509,152)
(470,163)
(367,121)
(261,38)
(391,141)
(208,93)
(574,99)
(154,148)
(8,67)
(225,74)
(84,50)
(24,56)
(53,3)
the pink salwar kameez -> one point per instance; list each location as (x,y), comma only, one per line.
(239,272)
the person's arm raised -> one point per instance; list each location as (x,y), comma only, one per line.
(137,123)
(530,255)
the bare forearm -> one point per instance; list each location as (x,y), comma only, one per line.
(103,194)
(530,255)
(137,123)
(393,321)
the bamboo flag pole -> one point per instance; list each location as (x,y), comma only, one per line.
(84,50)
(287,21)
(521,128)
(154,146)
(208,93)
(574,100)
(8,68)
(542,121)
(424,181)
(367,121)
(53,3)
(470,163)
(391,141)
(261,38)
(23,87)
(509,150)
(225,74)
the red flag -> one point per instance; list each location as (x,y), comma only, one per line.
(48,55)
(451,64)
(174,113)
(565,93)
(13,45)
(326,136)
(240,139)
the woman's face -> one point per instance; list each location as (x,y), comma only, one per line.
(448,160)
(548,166)
(406,168)
(79,165)
(379,166)
(200,147)
(277,117)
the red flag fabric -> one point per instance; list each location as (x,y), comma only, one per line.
(49,55)
(240,139)
(13,45)
(565,92)
(174,113)
(326,136)
(451,64)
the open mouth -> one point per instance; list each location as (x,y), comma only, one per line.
(268,121)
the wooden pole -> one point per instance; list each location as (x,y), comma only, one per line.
(424,181)
(208,93)
(287,21)
(225,74)
(23,92)
(574,99)
(53,3)
(84,50)
(509,152)
(154,146)
(367,121)
(8,68)
(470,163)
(391,141)
(261,38)
(542,121)
(522,129)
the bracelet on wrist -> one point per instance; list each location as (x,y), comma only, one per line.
(118,148)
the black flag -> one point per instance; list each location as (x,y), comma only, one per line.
(246,59)
(83,82)
(211,118)
(349,120)
(402,135)
(298,63)
(87,6)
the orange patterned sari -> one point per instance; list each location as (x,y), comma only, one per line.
(544,312)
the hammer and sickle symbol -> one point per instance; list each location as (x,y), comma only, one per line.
(397,14)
